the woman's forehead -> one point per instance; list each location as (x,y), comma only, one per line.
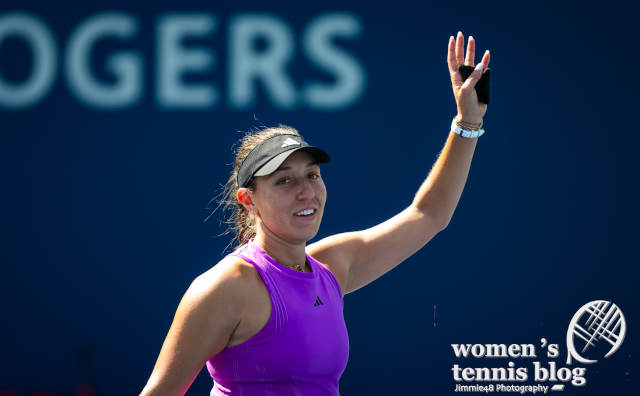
(298,159)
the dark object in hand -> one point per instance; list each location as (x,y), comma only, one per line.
(482,87)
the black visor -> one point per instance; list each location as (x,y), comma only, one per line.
(267,157)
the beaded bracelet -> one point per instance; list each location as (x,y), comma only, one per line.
(471,127)
(466,130)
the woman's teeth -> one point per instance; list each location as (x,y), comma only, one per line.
(305,212)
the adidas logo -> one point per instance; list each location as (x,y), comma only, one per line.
(318,302)
(289,142)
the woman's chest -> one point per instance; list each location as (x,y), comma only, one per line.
(292,328)
(291,309)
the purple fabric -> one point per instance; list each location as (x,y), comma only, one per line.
(304,347)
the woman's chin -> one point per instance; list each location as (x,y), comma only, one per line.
(303,236)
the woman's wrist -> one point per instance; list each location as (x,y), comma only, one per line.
(465,129)
(469,122)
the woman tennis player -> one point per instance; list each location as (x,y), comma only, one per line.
(268,318)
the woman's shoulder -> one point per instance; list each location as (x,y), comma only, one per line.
(232,279)
(208,314)
(231,269)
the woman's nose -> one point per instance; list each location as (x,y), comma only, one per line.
(306,190)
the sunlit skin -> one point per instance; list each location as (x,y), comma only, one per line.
(295,186)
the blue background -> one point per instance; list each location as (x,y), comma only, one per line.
(103,210)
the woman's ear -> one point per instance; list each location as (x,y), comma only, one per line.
(245,199)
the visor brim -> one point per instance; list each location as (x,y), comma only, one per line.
(274,163)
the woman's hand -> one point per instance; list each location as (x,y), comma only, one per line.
(469,109)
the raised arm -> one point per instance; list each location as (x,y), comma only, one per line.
(358,258)
(203,324)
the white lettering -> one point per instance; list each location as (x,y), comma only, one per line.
(126,66)
(173,60)
(246,65)
(259,50)
(494,350)
(461,349)
(43,50)
(348,72)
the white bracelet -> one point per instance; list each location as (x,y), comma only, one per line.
(465,133)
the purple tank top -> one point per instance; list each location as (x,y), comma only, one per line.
(304,347)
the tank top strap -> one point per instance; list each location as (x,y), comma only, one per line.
(327,275)
(279,315)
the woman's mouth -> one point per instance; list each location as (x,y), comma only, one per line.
(306,213)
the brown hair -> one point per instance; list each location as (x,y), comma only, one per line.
(238,220)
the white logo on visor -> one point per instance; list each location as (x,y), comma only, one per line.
(289,142)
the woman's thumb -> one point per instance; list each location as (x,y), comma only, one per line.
(474,77)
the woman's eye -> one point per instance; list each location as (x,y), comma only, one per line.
(314,176)
(284,180)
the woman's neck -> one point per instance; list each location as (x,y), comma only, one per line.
(286,253)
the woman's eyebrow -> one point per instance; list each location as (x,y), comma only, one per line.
(309,165)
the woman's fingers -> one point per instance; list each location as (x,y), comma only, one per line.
(456,78)
(471,52)
(460,48)
(485,59)
(451,55)
(456,56)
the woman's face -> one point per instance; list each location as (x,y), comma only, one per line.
(290,201)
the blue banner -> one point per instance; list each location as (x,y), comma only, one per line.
(119,121)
